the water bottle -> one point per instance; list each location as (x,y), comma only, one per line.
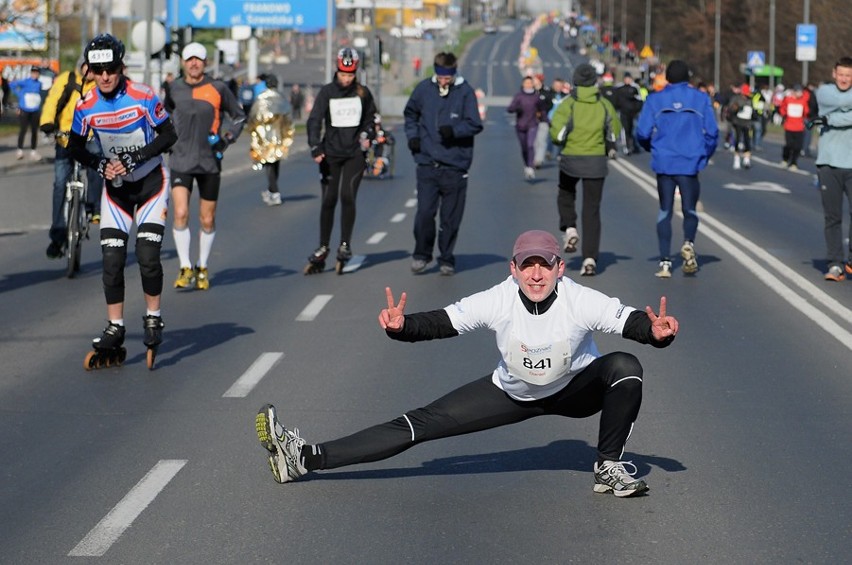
(117,181)
(213,139)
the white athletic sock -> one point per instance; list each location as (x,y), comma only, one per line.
(182,239)
(205,243)
(118,322)
(152,312)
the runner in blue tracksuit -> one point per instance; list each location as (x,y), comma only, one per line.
(678,126)
(441,120)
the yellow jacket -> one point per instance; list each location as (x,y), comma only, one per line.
(66,114)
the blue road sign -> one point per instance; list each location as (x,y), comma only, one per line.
(755,59)
(806,42)
(299,15)
(806,35)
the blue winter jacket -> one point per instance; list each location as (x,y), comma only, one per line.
(678,126)
(426,111)
(28,91)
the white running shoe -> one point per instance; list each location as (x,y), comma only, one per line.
(612,476)
(736,162)
(690,260)
(570,240)
(284,447)
(665,271)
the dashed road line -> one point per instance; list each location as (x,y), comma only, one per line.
(253,375)
(397,218)
(109,529)
(314,307)
(377,238)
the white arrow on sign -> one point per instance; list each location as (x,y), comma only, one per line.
(202,6)
(765,186)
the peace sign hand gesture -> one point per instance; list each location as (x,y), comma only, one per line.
(662,327)
(392,318)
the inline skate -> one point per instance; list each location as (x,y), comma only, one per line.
(344,254)
(316,262)
(153,326)
(108,349)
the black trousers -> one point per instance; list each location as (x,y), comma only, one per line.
(590,235)
(611,385)
(339,179)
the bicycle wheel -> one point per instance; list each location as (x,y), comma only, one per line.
(72,251)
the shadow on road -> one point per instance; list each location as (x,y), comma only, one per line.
(562,455)
(178,345)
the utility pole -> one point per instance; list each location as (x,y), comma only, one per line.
(717,49)
(648,22)
(807,19)
(772,44)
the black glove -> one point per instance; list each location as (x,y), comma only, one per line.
(819,121)
(317,151)
(221,145)
(446,132)
(130,160)
(101,168)
(414,145)
(48,129)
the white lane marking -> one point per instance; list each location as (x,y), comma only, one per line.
(376,238)
(313,308)
(411,203)
(253,375)
(735,247)
(109,529)
(354,263)
(397,218)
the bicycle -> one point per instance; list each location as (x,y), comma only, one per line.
(75,219)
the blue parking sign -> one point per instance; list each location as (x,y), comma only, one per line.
(806,42)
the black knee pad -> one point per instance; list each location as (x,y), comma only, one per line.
(114,250)
(625,365)
(149,240)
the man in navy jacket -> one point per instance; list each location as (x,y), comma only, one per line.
(441,119)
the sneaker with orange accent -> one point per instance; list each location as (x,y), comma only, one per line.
(849,267)
(835,273)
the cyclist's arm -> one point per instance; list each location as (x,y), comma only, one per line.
(78,151)
(166,137)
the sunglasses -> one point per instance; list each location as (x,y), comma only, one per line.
(108,69)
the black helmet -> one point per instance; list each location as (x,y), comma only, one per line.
(271,81)
(347,60)
(104,53)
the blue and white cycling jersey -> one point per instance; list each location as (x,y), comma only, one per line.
(122,123)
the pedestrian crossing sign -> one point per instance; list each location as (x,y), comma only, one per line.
(755,59)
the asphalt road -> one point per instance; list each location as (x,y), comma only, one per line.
(742,433)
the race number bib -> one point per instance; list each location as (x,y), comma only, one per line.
(745,113)
(114,144)
(32,99)
(345,112)
(540,364)
(795,111)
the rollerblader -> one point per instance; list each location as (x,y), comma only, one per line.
(153,326)
(133,130)
(316,262)
(340,131)
(108,349)
(344,255)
